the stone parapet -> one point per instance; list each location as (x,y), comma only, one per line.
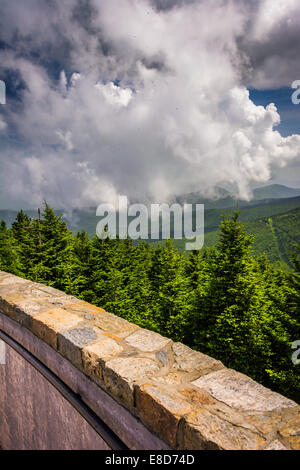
(189,400)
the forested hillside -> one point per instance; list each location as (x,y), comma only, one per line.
(275,223)
(272,235)
(222,301)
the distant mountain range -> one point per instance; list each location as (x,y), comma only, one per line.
(273,216)
(225,199)
(275,191)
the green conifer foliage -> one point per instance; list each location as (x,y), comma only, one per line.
(9,253)
(221,301)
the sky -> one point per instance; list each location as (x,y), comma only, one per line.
(146,98)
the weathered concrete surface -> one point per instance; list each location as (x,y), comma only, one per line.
(130,376)
(34,416)
(129,429)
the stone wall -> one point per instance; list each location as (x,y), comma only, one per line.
(185,398)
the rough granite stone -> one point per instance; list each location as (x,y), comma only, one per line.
(24,290)
(84,309)
(205,431)
(93,354)
(71,342)
(163,356)
(196,397)
(276,445)
(121,374)
(173,378)
(11,280)
(188,360)
(115,325)
(161,411)
(11,295)
(23,311)
(265,423)
(13,298)
(242,393)
(4,275)
(47,325)
(50,291)
(147,341)
(291,432)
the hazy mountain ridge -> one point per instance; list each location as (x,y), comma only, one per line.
(268,203)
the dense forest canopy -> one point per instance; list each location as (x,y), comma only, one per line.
(222,300)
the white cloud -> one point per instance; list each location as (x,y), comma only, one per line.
(271,13)
(66,138)
(114,94)
(188,125)
(3,124)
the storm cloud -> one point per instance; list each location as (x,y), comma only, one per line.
(141,98)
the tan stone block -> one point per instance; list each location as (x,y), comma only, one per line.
(116,338)
(19,290)
(122,373)
(11,294)
(114,325)
(196,397)
(13,297)
(4,275)
(188,360)
(264,423)
(85,310)
(163,356)
(72,341)
(48,324)
(173,378)
(203,430)
(147,341)
(291,432)
(93,354)
(276,445)
(11,280)
(49,291)
(161,411)
(242,393)
(24,311)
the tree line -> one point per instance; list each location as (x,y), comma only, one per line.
(222,301)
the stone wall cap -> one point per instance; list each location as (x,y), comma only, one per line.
(188,399)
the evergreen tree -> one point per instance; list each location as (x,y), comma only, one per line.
(221,301)
(23,235)
(52,256)
(81,270)
(9,255)
(243,319)
(170,293)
